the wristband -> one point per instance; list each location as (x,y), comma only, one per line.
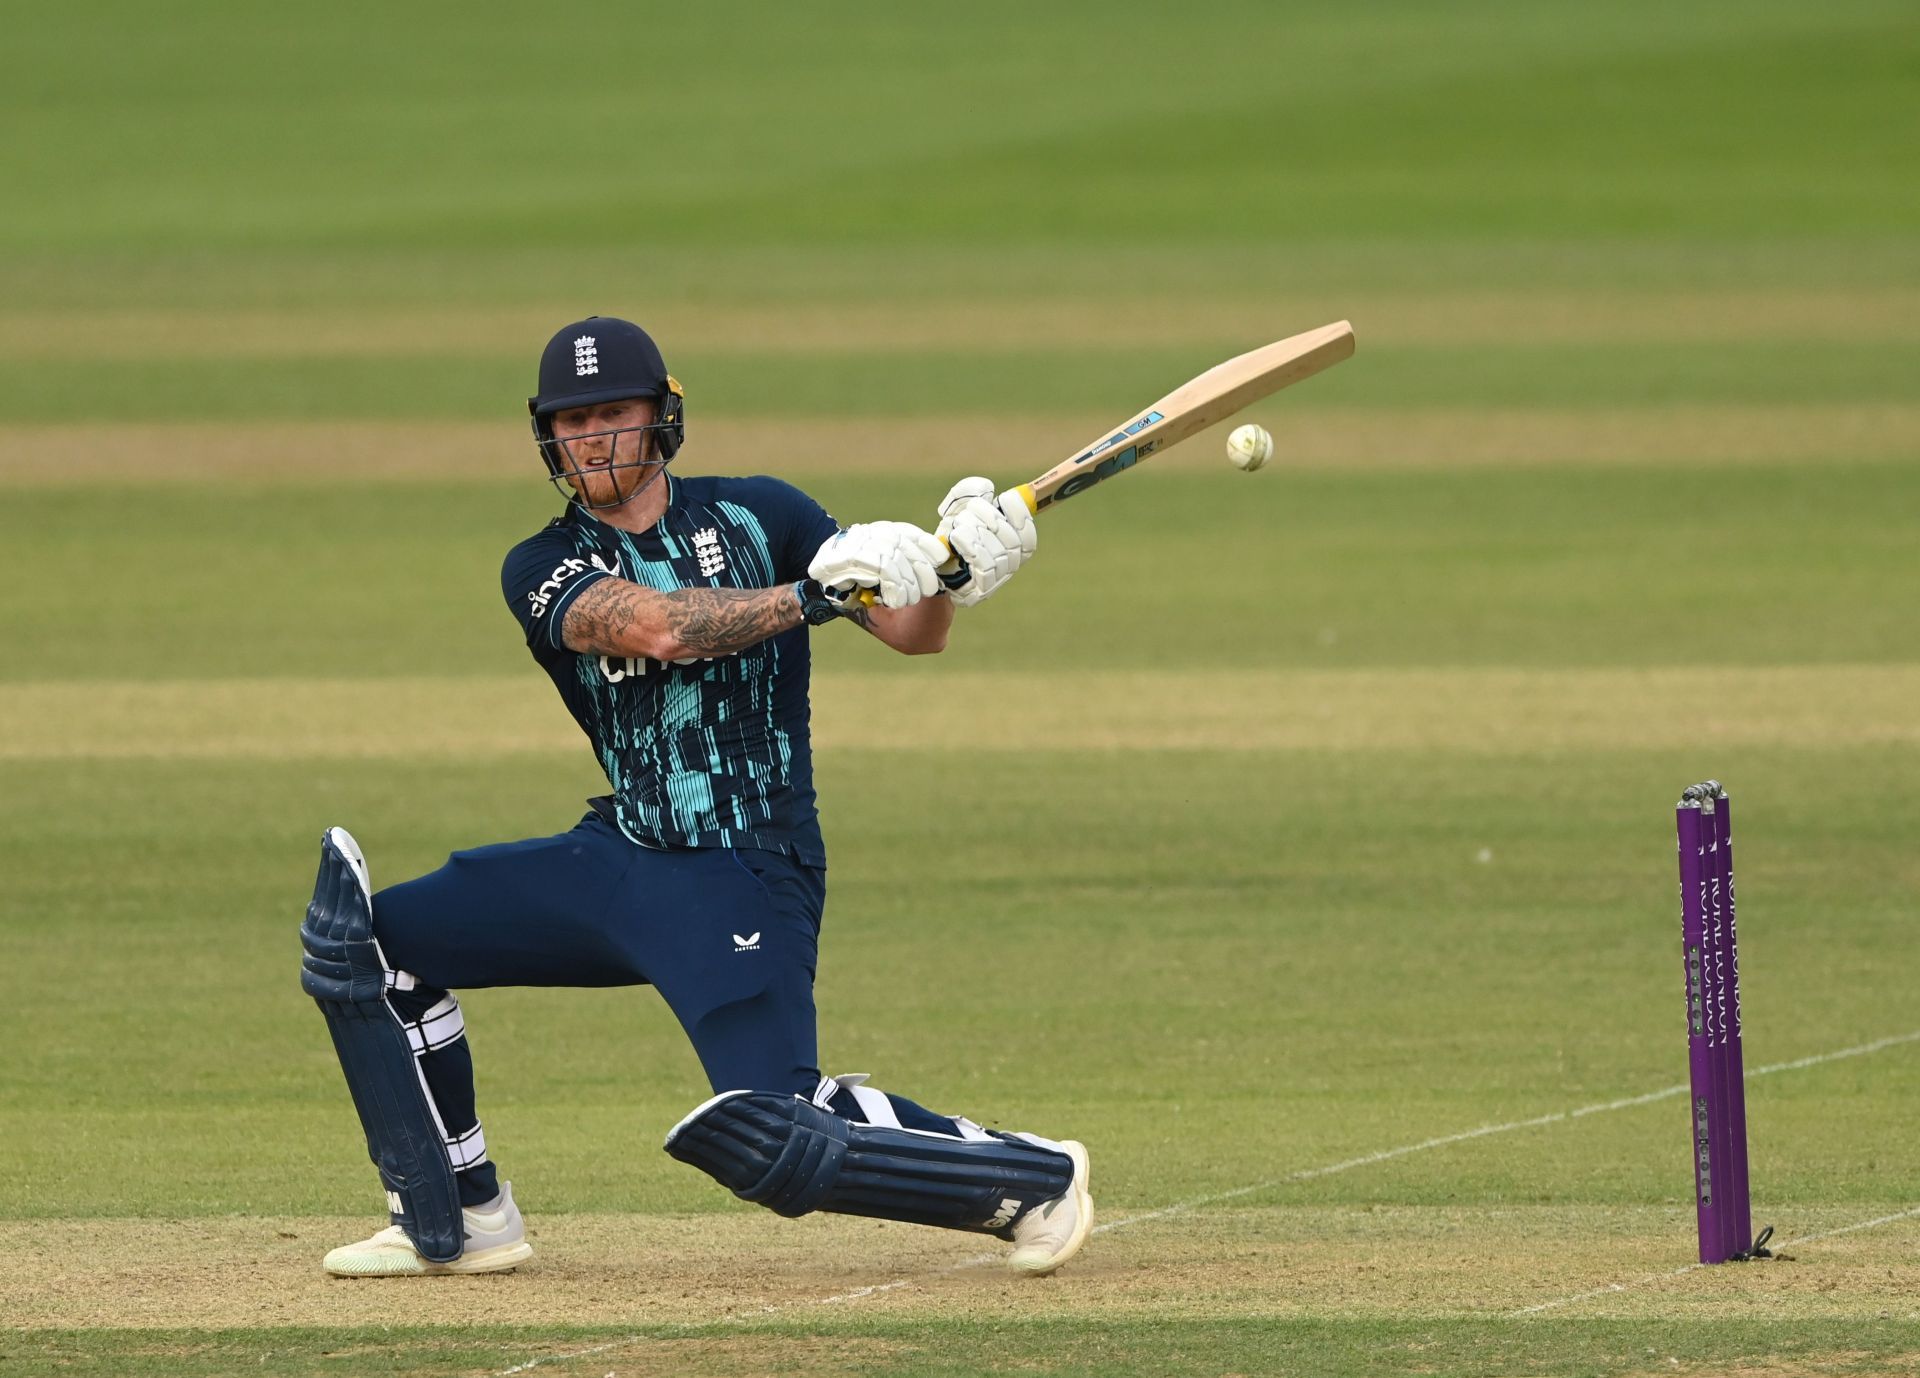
(817,606)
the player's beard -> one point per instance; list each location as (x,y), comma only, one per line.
(605,486)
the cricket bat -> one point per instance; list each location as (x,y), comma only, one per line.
(1192,407)
(1186,411)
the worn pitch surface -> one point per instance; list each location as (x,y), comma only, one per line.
(1301,841)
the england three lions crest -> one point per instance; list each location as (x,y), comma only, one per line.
(706,549)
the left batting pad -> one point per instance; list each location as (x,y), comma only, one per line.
(343,971)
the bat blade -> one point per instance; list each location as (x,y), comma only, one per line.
(1192,407)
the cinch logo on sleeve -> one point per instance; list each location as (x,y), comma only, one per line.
(564,571)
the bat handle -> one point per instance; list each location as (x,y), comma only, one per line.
(953,573)
(958,574)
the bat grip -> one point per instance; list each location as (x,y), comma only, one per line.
(953,573)
(959,573)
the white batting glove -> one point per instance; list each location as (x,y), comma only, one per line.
(896,559)
(994,535)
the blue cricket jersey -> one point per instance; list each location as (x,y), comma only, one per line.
(708,753)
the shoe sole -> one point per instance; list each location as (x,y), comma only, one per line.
(502,1258)
(1083,1222)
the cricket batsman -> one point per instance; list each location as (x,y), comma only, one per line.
(673,616)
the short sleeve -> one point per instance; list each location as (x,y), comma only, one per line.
(540,579)
(796,525)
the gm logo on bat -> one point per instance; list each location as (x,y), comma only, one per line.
(1112,464)
(1134,429)
(1106,469)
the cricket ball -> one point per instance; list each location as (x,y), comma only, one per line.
(1249,447)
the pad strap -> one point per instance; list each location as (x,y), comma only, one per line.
(791,1156)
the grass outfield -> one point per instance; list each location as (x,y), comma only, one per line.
(1353,939)
(1334,907)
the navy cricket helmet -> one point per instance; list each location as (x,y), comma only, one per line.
(604,359)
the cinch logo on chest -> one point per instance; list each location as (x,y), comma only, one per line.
(617,668)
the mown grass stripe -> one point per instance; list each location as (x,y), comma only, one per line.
(1476,711)
(1021,323)
(1330,438)
(1005,382)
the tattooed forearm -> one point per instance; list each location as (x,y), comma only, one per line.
(720,621)
(601,620)
(615,617)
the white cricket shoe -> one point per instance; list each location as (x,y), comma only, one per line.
(1049,1235)
(496,1243)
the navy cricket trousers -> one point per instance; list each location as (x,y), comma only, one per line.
(729,938)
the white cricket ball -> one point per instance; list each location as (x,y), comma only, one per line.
(1249,447)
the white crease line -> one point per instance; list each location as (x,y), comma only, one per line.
(1613,1287)
(1625,1103)
(1304,1174)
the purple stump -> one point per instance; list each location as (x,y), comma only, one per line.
(1739,1212)
(1717,1102)
(1701,1102)
(1719,1022)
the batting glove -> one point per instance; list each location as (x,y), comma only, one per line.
(994,535)
(896,559)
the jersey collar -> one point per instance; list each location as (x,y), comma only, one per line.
(581,516)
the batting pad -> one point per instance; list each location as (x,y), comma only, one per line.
(343,971)
(791,1156)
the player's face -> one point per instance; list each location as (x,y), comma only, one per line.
(608,458)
